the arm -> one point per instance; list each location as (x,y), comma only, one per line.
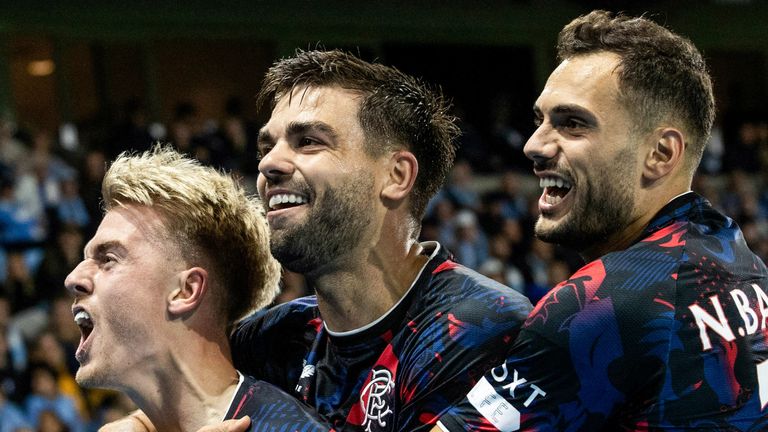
(580,356)
(453,348)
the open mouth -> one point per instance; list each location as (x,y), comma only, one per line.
(85,323)
(286,200)
(555,189)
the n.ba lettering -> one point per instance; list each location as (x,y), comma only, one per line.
(751,319)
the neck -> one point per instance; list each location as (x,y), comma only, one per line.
(190,388)
(647,210)
(363,291)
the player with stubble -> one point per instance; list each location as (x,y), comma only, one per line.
(397,330)
(665,328)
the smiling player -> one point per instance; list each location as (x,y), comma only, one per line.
(665,328)
(350,156)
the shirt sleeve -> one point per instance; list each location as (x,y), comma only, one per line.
(270,345)
(566,371)
(454,351)
(271,409)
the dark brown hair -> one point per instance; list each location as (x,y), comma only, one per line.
(662,76)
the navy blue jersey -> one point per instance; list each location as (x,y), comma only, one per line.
(271,409)
(669,334)
(400,372)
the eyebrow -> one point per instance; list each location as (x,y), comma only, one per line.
(298,128)
(570,109)
(102,248)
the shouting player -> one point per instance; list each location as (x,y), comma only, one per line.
(665,327)
(156,295)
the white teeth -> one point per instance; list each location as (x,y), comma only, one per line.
(276,200)
(552,199)
(83,319)
(554,182)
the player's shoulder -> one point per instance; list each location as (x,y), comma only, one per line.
(447,287)
(620,285)
(294,314)
(448,277)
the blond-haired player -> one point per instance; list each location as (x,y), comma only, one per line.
(181,254)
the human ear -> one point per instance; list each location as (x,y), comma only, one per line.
(403,168)
(667,152)
(192,285)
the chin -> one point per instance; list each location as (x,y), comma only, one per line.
(558,232)
(546,228)
(90,377)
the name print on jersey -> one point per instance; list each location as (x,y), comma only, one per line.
(751,319)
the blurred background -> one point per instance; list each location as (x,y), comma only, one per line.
(82,81)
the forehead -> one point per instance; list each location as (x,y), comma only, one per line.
(136,227)
(588,80)
(335,106)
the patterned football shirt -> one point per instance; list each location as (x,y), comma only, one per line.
(669,334)
(400,372)
(271,409)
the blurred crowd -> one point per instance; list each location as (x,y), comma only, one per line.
(49,206)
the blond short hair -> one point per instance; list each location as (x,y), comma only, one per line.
(208,216)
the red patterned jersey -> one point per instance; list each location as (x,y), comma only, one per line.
(399,372)
(669,334)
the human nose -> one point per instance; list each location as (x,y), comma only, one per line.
(79,282)
(542,145)
(278,162)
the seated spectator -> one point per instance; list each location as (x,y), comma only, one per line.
(460,187)
(12,418)
(12,151)
(470,245)
(19,286)
(60,257)
(46,396)
(14,342)
(49,421)
(49,351)
(71,207)
(11,385)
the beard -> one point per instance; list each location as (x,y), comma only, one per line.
(606,209)
(334,225)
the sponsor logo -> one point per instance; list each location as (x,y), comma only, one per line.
(495,407)
(308,371)
(304,380)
